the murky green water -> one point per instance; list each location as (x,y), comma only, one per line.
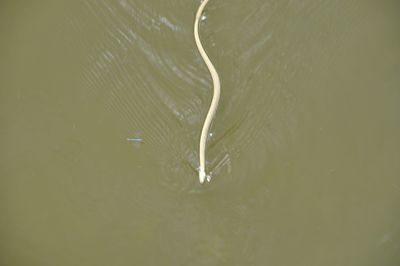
(305,152)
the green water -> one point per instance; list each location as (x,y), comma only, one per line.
(304,152)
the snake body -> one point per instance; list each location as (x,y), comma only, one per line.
(215,99)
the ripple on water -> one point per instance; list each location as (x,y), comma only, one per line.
(147,71)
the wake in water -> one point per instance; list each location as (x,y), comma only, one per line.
(140,68)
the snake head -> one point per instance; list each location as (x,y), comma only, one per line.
(202,176)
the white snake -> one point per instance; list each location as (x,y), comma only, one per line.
(215,99)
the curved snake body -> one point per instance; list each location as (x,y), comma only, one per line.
(215,99)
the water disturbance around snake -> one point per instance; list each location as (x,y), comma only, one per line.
(215,99)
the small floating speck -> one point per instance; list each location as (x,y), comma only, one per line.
(136,140)
(202,18)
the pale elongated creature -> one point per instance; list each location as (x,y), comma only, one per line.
(215,99)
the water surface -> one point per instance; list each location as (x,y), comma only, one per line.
(101,107)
